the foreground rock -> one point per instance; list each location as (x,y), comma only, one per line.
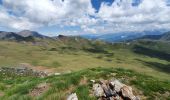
(113,90)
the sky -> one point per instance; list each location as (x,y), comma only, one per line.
(78,17)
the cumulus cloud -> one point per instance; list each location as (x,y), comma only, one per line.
(121,15)
(49,12)
(88,29)
(149,14)
(20,23)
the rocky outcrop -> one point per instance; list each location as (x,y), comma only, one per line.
(113,90)
(21,71)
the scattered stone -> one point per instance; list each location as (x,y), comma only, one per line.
(93,81)
(113,90)
(57,73)
(73,96)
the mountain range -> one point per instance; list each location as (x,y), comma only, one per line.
(27,35)
(126,36)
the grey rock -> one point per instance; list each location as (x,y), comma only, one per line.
(117,85)
(98,90)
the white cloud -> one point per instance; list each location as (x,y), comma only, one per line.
(50,12)
(150,14)
(20,23)
(88,29)
(117,17)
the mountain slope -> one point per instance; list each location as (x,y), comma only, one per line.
(162,37)
(166,36)
(10,36)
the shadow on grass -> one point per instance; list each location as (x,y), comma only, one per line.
(151,53)
(157,66)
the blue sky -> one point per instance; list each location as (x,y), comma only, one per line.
(75,17)
(97,3)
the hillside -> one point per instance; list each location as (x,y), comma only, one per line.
(73,58)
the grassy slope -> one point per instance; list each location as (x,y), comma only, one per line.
(17,88)
(65,56)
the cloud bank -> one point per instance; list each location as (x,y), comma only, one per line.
(120,16)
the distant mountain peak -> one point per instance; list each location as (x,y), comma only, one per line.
(27,33)
(21,36)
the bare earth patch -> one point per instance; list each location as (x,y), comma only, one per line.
(39,68)
(83,81)
(1,94)
(40,89)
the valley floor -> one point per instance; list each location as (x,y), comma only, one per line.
(13,54)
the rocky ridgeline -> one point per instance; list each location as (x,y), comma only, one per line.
(21,71)
(113,90)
